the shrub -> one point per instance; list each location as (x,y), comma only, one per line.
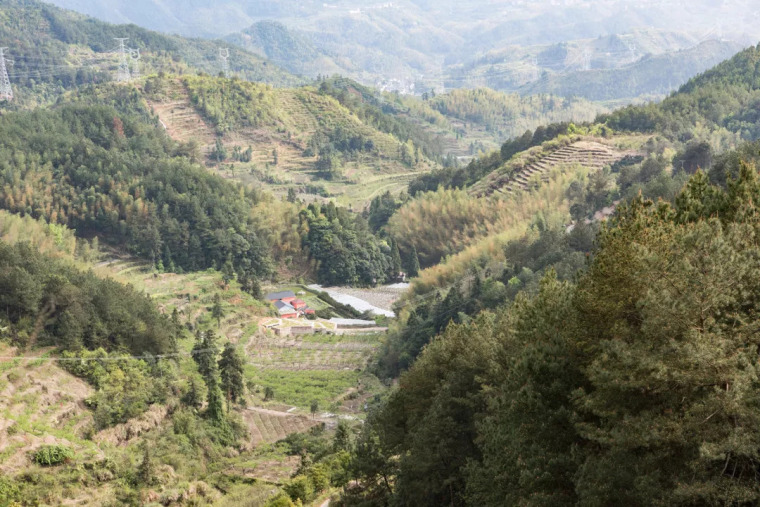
(52,455)
(281,500)
(300,488)
(9,491)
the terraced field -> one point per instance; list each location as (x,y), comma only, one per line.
(269,426)
(40,404)
(180,118)
(586,153)
(294,117)
(299,369)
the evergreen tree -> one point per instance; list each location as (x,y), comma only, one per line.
(217,312)
(146,472)
(194,396)
(228,272)
(413,265)
(215,408)
(231,370)
(395,259)
(342,438)
(204,353)
(314,408)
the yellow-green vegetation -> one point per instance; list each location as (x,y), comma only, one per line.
(170,452)
(509,115)
(51,239)
(462,220)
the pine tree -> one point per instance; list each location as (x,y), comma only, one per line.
(255,287)
(228,272)
(314,408)
(413,264)
(204,353)
(146,472)
(194,397)
(231,370)
(215,398)
(395,259)
(342,438)
(217,312)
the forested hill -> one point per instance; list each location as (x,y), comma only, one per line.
(596,362)
(60,49)
(724,100)
(112,174)
(654,75)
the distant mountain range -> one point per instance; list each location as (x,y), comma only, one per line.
(415,45)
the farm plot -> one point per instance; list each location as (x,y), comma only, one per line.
(269,426)
(309,353)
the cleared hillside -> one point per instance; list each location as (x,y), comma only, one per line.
(515,177)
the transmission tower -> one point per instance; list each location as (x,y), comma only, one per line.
(535,69)
(134,54)
(224,55)
(586,59)
(6,92)
(632,50)
(122,75)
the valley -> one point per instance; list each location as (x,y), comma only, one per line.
(251,278)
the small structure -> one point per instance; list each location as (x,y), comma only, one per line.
(287,305)
(285,310)
(352,323)
(286,296)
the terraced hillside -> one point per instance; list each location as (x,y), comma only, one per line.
(40,404)
(281,132)
(269,426)
(180,119)
(299,369)
(586,153)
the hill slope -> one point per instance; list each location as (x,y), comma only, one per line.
(54,49)
(651,75)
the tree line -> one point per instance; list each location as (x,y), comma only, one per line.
(633,384)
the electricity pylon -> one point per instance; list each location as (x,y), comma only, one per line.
(122,75)
(134,54)
(6,92)
(224,54)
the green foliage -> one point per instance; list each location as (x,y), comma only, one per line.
(124,388)
(231,370)
(300,488)
(52,455)
(460,177)
(636,385)
(344,248)
(48,301)
(146,472)
(232,104)
(217,312)
(78,169)
(10,491)
(381,209)
(385,116)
